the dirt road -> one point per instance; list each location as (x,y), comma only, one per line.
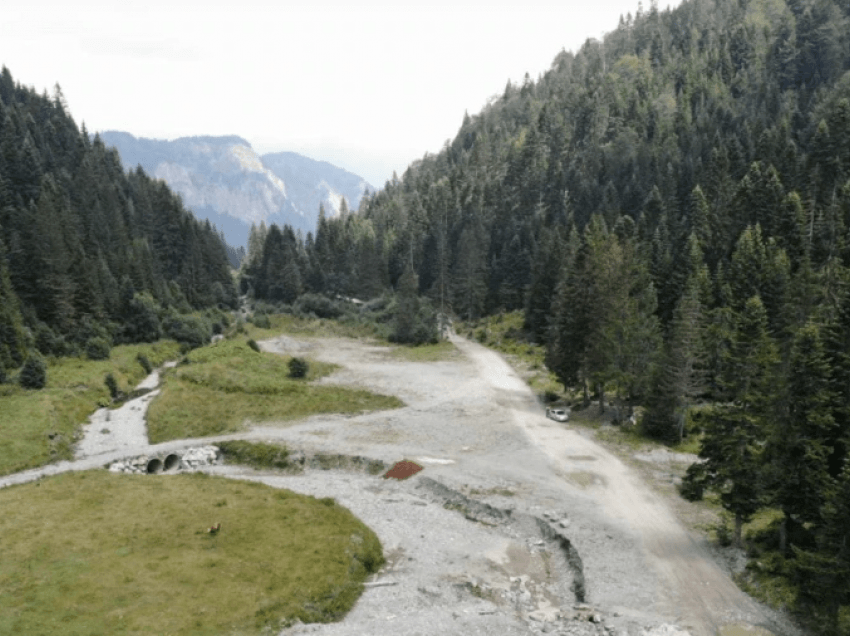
(478,429)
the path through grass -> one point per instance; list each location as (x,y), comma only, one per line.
(38,427)
(222,387)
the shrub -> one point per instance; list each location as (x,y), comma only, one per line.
(253,344)
(692,487)
(34,373)
(142,322)
(318,305)
(97,349)
(188,330)
(262,321)
(49,343)
(112,385)
(146,364)
(298,368)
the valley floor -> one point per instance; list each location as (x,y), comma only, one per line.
(516,525)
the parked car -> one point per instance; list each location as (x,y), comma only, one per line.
(558,413)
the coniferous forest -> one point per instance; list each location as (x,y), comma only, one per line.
(670,208)
(91,256)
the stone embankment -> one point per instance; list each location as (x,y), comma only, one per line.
(188,460)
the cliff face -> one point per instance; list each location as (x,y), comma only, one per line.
(224,180)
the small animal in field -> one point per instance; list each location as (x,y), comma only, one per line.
(213,530)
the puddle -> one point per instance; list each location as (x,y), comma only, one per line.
(742,629)
(584,479)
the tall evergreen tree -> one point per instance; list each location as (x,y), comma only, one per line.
(798,446)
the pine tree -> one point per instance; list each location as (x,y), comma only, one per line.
(680,377)
(799,444)
(12,338)
(544,280)
(824,572)
(734,433)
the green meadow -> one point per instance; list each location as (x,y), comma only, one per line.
(102,553)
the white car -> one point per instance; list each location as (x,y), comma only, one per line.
(558,413)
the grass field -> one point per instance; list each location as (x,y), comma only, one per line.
(100,553)
(38,427)
(222,387)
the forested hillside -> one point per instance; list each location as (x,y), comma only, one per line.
(90,256)
(670,208)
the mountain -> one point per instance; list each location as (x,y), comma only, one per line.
(224,180)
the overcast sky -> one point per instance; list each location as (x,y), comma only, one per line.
(369,86)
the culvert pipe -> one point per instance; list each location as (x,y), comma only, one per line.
(171,463)
(154,466)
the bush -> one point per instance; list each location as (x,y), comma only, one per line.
(112,385)
(146,364)
(692,487)
(49,343)
(298,368)
(34,373)
(262,321)
(142,322)
(318,305)
(97,349)
(253,344)
(191,331)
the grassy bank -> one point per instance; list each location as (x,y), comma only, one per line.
(218,389)
(312,328)
(99,553)
(38,427)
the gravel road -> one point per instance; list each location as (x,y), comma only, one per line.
(516,525)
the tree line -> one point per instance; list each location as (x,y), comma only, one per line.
(91,256)
(670,208)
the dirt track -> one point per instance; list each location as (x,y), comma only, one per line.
(517,524)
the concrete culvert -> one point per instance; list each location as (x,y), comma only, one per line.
(154,466)
(172,463)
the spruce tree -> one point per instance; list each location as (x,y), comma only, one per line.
(799,444)
(734,433)
(12,337)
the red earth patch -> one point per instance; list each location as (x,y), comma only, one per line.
(403,470)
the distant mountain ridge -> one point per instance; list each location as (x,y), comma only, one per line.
(224,180)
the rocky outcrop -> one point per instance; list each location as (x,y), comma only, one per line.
(225,180)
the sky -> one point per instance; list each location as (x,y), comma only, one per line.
(369,86)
